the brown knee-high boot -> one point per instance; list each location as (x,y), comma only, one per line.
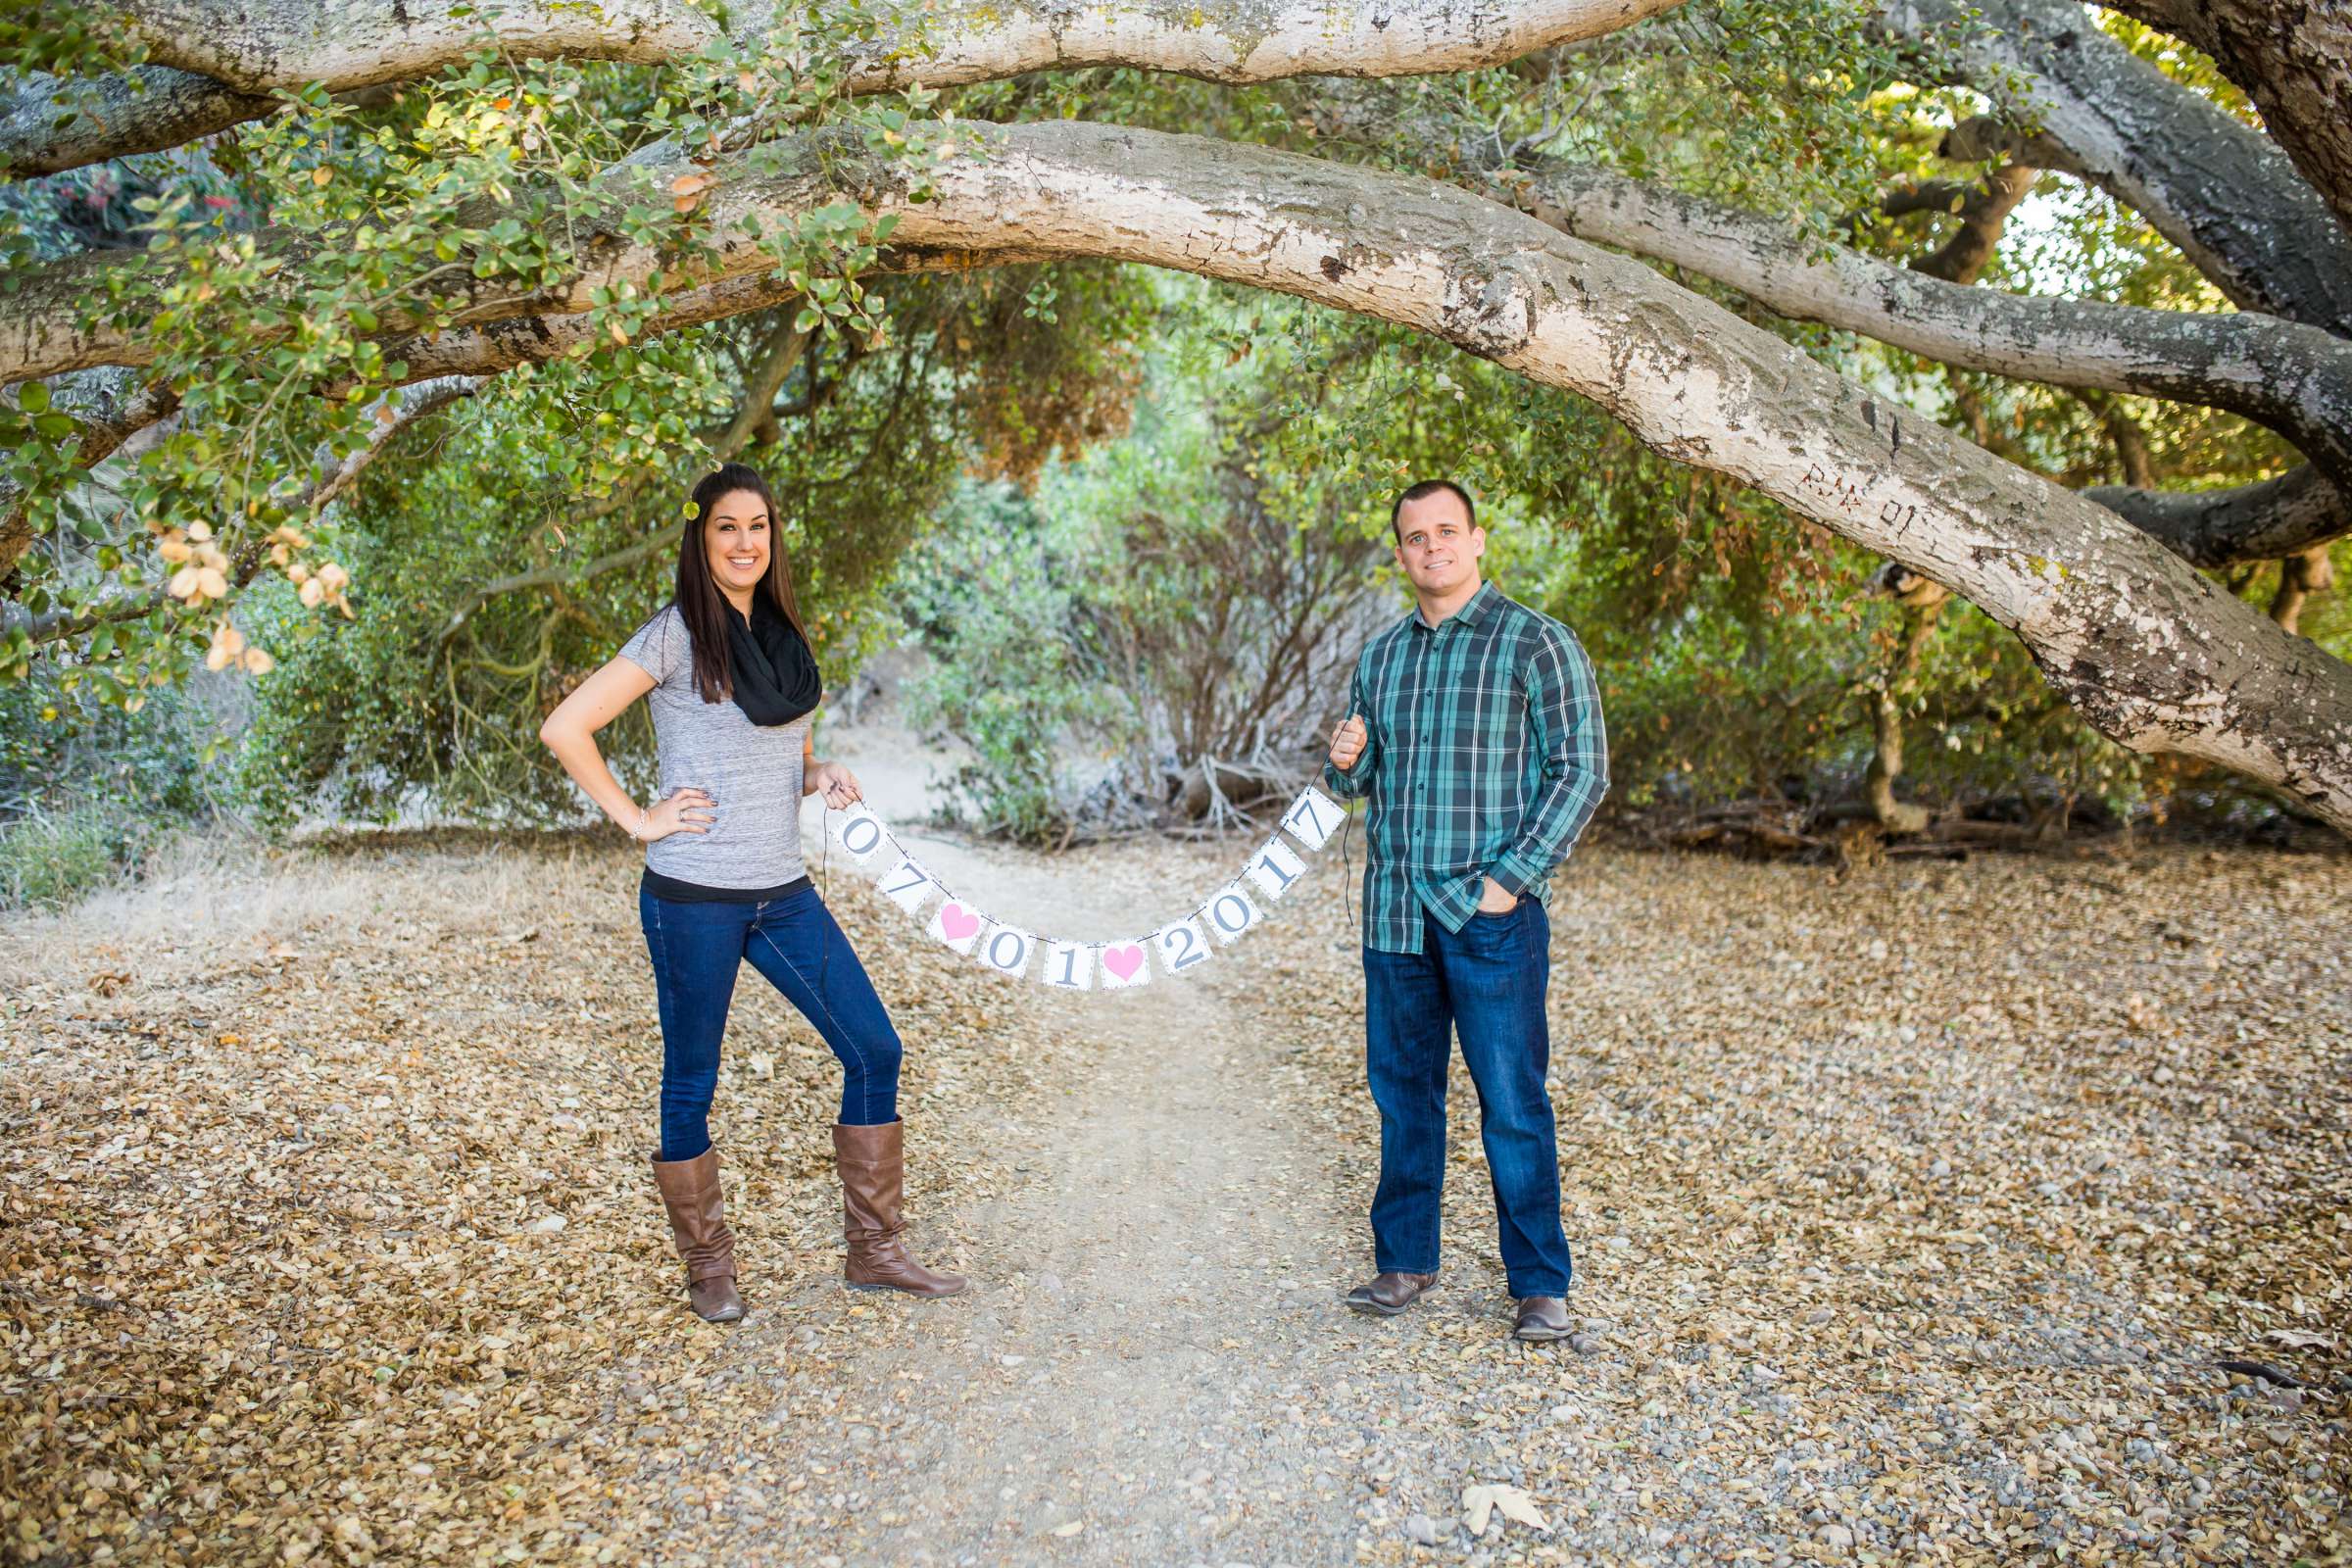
(872,1163)
(698,1223)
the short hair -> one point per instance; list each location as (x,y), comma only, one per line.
(1422,491)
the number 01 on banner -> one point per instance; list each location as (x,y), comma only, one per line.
(1229,912)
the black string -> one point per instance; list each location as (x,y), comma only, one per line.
(1346,876)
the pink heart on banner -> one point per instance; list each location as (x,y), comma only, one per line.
(1123,962)
(957,921)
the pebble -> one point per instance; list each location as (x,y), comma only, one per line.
(1422,1529)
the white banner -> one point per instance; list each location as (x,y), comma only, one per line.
(1181,945)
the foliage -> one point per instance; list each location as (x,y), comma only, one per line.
(392,218)
(432,695)
(985,597)
(87,790)
(1137,592)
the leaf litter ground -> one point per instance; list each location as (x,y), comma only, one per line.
(1991,1212)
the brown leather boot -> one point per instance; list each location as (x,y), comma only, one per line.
(873,1165)
(1386,1295)
(698,1223)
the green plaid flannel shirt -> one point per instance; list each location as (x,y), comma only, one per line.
(1484,757)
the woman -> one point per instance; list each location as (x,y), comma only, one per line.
(728,673)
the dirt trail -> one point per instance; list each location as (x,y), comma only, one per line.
(1142,1297)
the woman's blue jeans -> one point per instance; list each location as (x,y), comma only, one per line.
(697,949)
(1486,982)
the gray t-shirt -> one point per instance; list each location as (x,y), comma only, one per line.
(751,773)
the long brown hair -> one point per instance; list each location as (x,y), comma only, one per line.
(699,598)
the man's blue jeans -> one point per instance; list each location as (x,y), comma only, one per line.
(1486,981)
(697,949)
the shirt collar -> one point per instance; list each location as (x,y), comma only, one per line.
(1470,615)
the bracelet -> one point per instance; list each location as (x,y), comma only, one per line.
(638,832)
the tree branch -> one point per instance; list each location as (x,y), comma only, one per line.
(2295,379)
(143,111)
(223,50)
(2293,60)
(2264,521)
(2074,99)
(1983,212)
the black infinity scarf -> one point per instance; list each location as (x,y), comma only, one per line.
(775,675)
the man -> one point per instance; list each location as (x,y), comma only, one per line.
(1473,728)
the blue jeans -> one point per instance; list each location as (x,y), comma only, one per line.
(697,949)
(1486,981)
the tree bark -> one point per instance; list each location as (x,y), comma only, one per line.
(2295,379)
(2295,60)
(142,111)
(2300,576)
(1984,213)
(2216,188)
(258,46)
(215,56)
(2250,523)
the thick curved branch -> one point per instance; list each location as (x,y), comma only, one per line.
(2293,60)
(1984,213)
(2295,379)
(230,48)
(2265,522)
(2216,188)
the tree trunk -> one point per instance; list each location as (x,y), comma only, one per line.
(1924,603)
(2301,575)
(2213,185)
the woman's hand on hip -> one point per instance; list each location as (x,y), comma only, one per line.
(686,812)
(837,784)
